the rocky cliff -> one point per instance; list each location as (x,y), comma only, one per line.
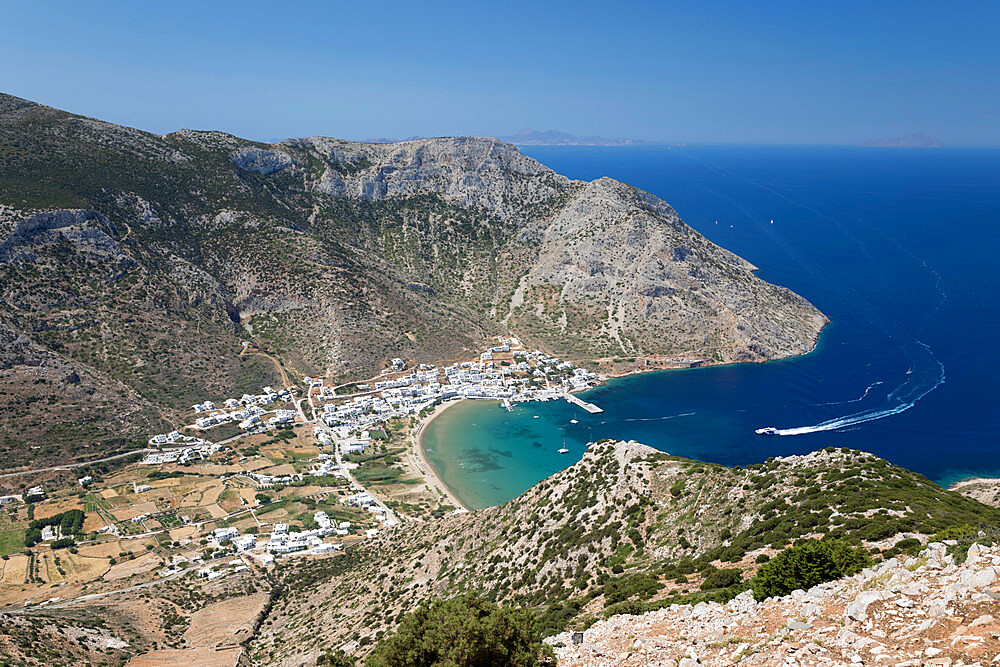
(928,610)
(147,259)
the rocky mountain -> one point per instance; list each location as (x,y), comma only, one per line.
(628,529)
(914,140)
(133,266)
(529,137)
(929,610)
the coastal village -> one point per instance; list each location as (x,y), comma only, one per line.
(250,482)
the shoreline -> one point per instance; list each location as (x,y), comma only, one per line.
(430,474)
(709,363)
(968,481)
(433,478)
(984,489)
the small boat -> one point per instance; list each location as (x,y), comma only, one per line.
(767,430)
(573,421)
(563,450)
(536,417)
(772,221)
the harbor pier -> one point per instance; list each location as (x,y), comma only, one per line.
(589,407)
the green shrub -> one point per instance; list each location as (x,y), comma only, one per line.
(722,579)
(335,659)
(909,545)
(805,565)
(640,585)
(466,630)
(633,607)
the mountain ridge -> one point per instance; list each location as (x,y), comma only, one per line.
(626,529)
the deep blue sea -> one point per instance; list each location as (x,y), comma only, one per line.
(899,247)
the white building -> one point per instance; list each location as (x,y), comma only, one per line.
(362,499)
(245,542)
(223,535)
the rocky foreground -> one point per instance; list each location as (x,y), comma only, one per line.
(928,610)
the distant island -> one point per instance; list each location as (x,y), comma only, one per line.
(913,140)
(391,140)
(530,137)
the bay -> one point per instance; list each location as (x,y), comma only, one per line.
(897,246)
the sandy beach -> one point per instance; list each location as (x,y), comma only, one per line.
(430,475)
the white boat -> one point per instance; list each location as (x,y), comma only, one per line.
(536,416)
(767,430)
(573,421)
(563,450)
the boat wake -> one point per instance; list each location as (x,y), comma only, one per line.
(917,385)
(647,419)
(860,398)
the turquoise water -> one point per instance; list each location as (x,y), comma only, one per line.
(898,247)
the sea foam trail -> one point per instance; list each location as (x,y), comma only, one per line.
(858,399)
(645,419)
(657,419)
(901,399)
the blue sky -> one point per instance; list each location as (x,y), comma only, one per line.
(775,72)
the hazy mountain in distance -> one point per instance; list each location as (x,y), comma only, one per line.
(529,137)
(912,140)
(391,140)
